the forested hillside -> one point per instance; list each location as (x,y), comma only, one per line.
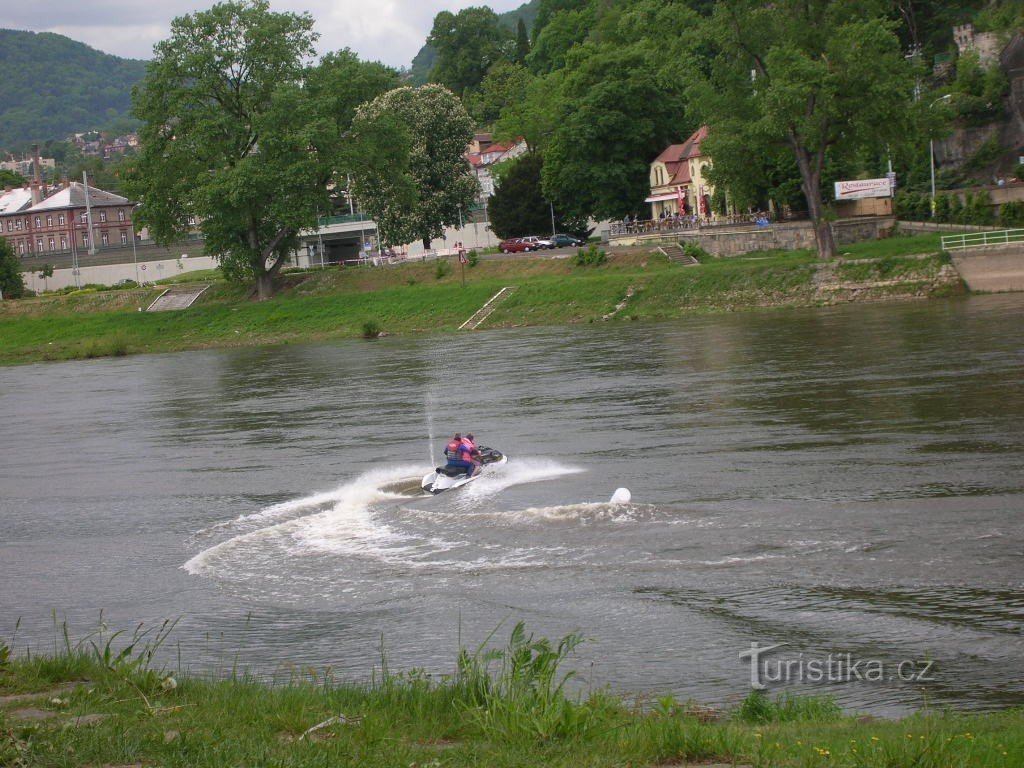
(52,86)
(423,62)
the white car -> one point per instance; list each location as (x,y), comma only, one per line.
(537,243)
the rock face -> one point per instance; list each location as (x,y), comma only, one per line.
(964,142)
(1011,61)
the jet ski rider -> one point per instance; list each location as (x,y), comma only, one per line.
(459,454)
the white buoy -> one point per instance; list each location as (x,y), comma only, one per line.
(621,496)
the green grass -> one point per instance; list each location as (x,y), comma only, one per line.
(362,302)
(500,706)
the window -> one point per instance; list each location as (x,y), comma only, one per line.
(39,222)
(120,214)
(21,247)
(124,237)
(105,238)
(10,225)
(60,219)
(17,225)
(103,215)
(51,243)
(191,221)
(63,243)
(49,220)
(39,245)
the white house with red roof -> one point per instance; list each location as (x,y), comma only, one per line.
(678,182)
(483,154)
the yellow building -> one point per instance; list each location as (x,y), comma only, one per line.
(678,183)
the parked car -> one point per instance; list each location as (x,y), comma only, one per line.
(562,240)
(537,243)
(515,245)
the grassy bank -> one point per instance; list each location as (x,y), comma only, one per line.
(94,705)
(419,297)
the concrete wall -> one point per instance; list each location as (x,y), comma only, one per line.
(110,274)
(992,269)
(735,241)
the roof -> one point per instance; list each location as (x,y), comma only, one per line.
(14,200)
(675,156)
(73,196)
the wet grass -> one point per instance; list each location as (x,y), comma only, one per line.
(101,703)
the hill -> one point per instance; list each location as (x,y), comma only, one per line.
(423,61)
(53,86)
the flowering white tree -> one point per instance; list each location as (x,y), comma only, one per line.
(415,183)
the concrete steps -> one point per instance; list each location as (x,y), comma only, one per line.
(176,298)
(485,311)
(676,252)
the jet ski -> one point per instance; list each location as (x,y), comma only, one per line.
(445,478)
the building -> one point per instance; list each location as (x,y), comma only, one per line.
(678,183)
(25,167)
(483,154)
(33,224)
(986,44)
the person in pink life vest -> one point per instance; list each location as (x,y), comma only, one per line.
(474,454)
(459,455)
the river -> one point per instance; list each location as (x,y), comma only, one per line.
(823,501)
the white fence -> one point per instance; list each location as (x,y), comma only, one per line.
(980,239)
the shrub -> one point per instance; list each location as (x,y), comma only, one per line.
(473,258)
(370,330)
(1012,214)
(591,256)
(442,268)
(697,252)
(978,208)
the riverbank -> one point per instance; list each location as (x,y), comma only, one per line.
(99,703)
(439,296)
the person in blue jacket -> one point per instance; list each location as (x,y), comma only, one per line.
(458,454)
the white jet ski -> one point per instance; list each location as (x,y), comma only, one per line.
(445,478)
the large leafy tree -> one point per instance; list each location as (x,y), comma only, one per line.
(241,136)
(12,286)
(620,102)
(411,174)
(517,206)
(468,43)
(822,79)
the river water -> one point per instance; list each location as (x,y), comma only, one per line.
(843,485)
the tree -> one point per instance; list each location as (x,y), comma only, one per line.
(517,206)
(11,179)
(417,183)
(468,44)
(505,86)
(818,77)
(12,286)
(522,42)
(243,138)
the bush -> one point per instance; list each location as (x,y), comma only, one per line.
(473,258)
(697,252)
(978,208)
(442,269)
(589,257)
(1012,214)
(370,330)
(913,206)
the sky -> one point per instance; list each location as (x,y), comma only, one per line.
(389,31)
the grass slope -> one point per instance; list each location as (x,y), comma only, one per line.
(99,705)
(321,305)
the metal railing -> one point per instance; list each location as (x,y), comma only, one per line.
(980,239)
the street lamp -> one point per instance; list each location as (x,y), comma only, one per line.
(931,152)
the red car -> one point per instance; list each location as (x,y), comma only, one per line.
(515,245)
